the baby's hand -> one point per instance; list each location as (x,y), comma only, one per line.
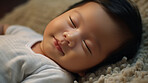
(3,28)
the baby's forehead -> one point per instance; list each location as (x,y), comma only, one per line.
(95,16)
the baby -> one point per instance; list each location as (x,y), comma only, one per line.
(88,34)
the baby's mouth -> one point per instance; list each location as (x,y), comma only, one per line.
(58,47)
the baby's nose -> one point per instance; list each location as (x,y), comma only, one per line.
(72,37)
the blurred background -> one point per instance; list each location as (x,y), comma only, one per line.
(7,6)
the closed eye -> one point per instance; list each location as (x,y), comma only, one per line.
(72,22)
(87,47)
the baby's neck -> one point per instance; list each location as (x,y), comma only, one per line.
(37,48)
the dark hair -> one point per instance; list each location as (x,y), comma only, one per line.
(127,12)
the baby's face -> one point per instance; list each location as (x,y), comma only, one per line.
(81,38)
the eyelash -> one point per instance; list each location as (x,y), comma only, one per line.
(87,46)
(72,22)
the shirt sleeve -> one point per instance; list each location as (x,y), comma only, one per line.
(49,75)
(21,31)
